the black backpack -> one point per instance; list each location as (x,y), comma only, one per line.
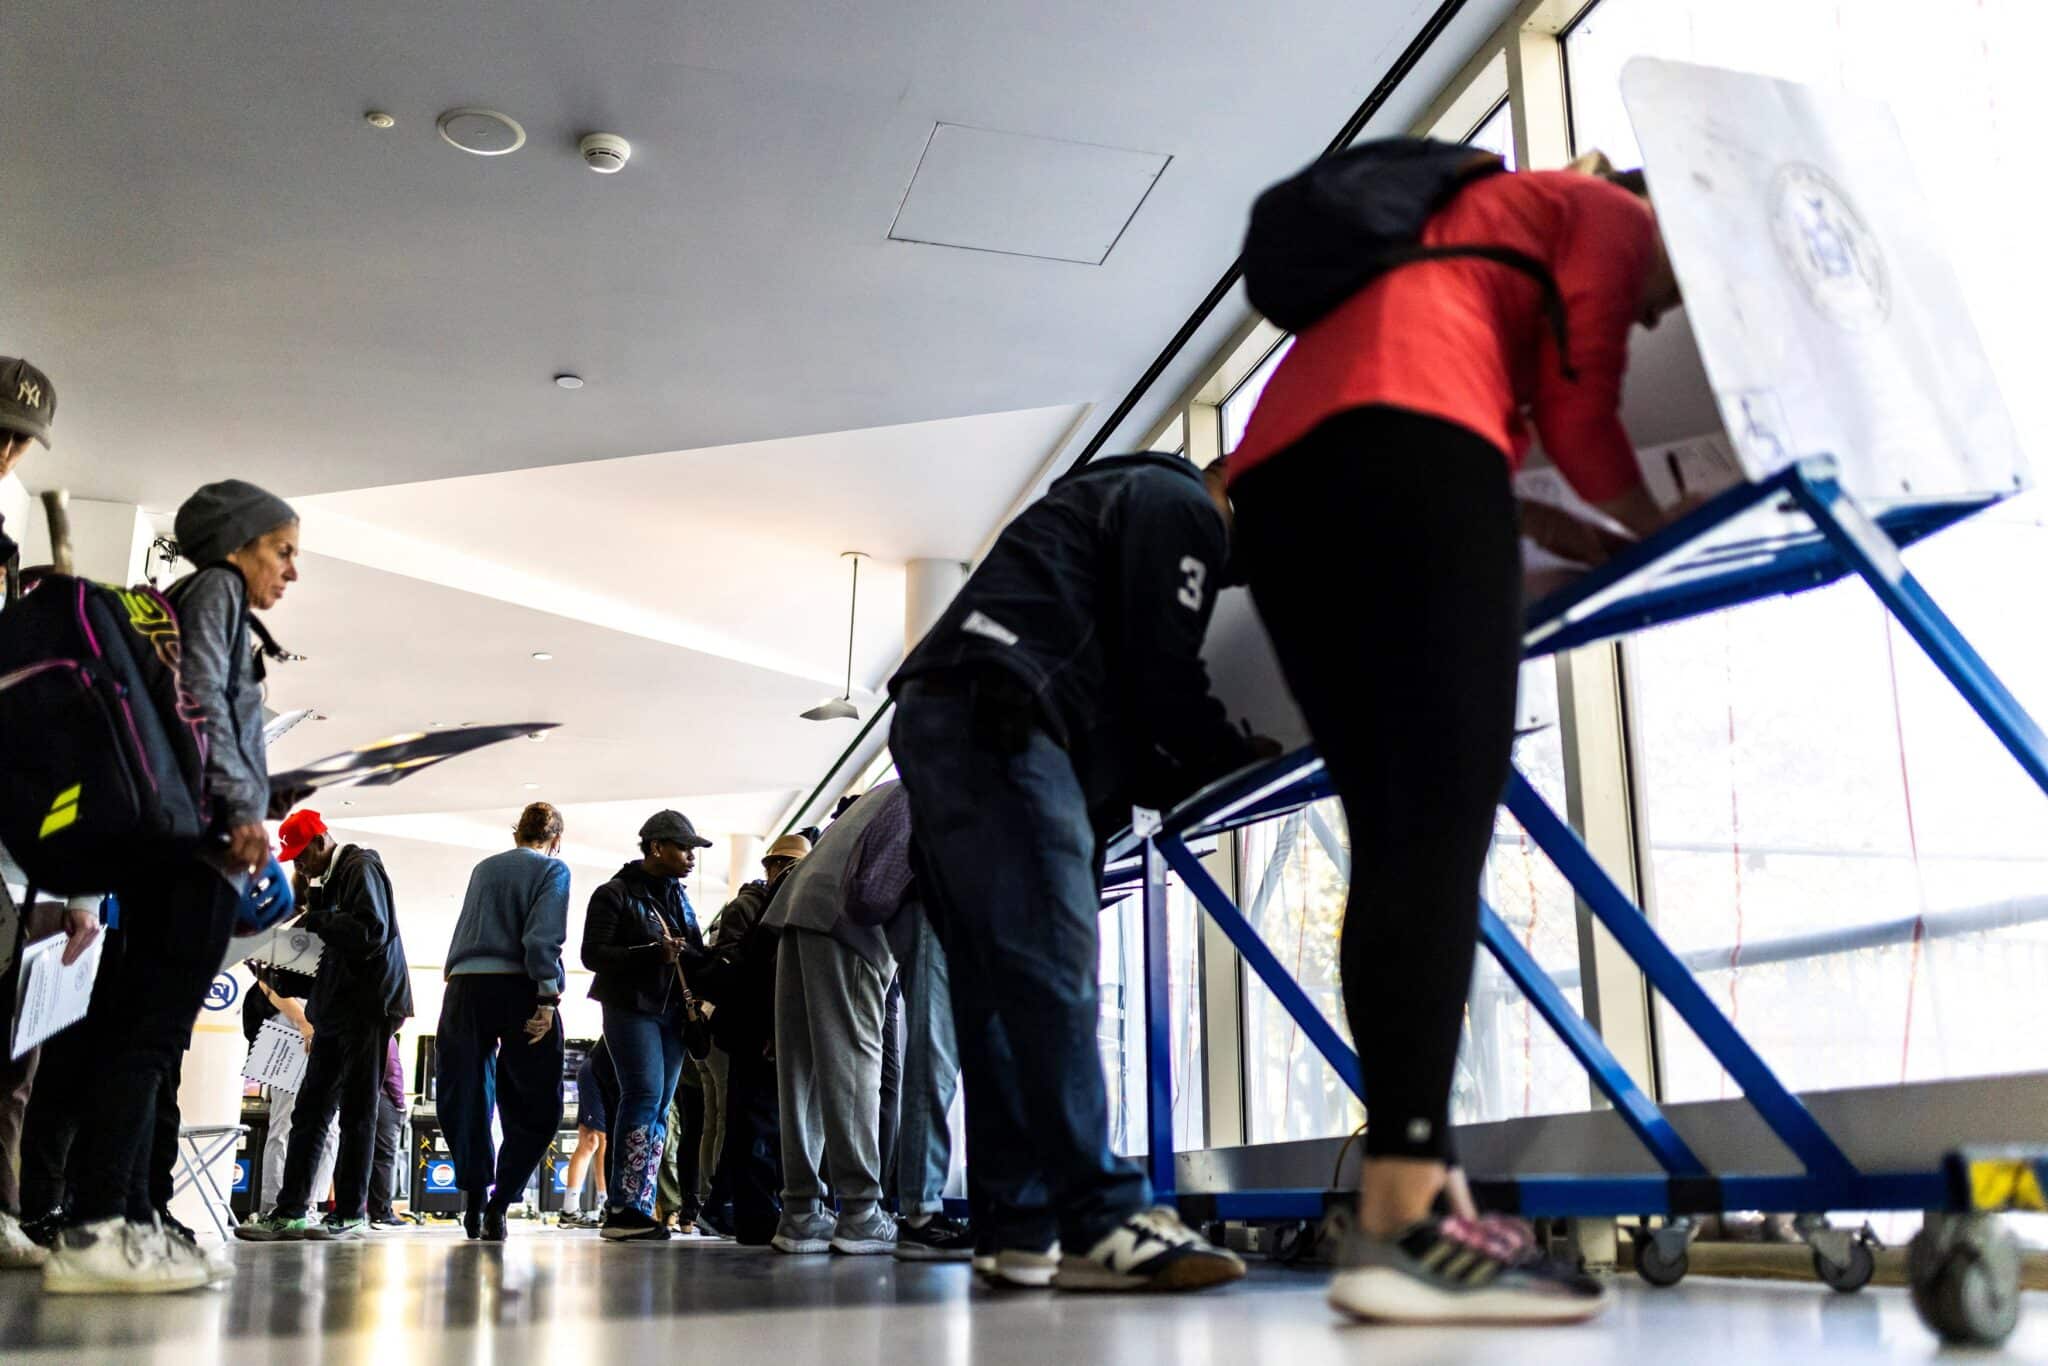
(102,749)
(1323,234)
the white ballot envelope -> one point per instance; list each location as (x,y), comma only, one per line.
(52,997)
(284,946)
(278,1057)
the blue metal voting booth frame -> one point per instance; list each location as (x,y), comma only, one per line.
(1795,531)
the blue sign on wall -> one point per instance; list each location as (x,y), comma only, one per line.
(241,1186)
(562,1174)
(224,992)
(440,1175)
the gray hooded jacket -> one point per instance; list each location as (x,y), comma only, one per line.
(220,672)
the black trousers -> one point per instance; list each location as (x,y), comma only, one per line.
(892,1088)
(750,1168)
(384,1166)
(483,1062)
(345,1074)
(174,932)
(1383,553)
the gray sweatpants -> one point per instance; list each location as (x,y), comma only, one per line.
(828,1054)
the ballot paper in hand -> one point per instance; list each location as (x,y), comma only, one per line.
(52,997)
(278,1057)
(286,946)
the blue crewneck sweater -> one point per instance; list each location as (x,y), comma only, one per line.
(515,916)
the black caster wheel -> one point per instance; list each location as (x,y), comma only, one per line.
(1336,1223)
(1662,1259)
(1851,1277)
(1965,1274)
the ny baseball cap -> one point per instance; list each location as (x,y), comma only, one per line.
(27,399)
(300,829)
(674,827)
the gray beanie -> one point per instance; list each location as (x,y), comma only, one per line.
(222,518)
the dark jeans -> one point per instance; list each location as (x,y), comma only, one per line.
(484,1062)
(1006,857)
(174,931)
(384,1167)
(345,1073)
(1382,552)
(750,1166)
(647,1053)
(892,1088)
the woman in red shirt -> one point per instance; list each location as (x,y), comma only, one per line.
(1377,528)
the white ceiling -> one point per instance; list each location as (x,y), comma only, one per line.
(226,270)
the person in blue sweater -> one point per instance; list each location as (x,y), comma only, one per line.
(500,1043)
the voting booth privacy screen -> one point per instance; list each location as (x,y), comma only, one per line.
(1828,316)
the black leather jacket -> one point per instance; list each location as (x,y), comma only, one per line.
(621,934)
(1094,602)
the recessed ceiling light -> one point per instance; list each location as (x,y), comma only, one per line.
(531,787)
(377,118)
(538,736)
(435,725)
(485,132)
(542,655)
(568,381)
(346,802)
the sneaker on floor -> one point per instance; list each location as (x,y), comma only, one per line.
(494,1225)
(1449,1270)
(1013,1268)
(338,1229)
(800,1233)
(873,1235)
(19,1252)
(273,1228)
(1151,1250)
(939,1240)
(114,1256)
(44,1228)
(183,1246)
(389,1221)
(630,1225)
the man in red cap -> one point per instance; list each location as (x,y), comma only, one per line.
(361,994)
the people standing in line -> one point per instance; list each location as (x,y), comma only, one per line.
(28,403)
(832,975)
(639,931)
(271,990)
(931,1078)
(1376,524)
(385,1166)
(593,1122)
(1063,685)
(499,1044)
(175,923)
(740,981)
(362,993)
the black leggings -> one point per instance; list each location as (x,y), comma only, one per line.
(1382,552)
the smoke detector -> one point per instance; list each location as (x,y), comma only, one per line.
(605,153)
(484,132)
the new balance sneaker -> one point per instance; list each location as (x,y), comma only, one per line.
(336,1228)
(805,1232)
(114,1256)
(871,1236)
(938,1239)
(19,1252)
(1013,1268)
(273,1228)
(631,1226)
(183,1246)
(1151,1250)
(1450,1270)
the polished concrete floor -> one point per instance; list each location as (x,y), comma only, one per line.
(565,1298)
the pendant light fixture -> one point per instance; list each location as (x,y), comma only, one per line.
(841,708)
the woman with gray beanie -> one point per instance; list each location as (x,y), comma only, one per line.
(175,924)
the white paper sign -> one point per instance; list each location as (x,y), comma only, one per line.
(278,1057)
(52,997)
(1826,308)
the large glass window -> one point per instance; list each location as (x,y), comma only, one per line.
(1121,1035)
(1295,874)
(1856,866)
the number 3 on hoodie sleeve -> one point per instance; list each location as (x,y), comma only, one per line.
(1195,575)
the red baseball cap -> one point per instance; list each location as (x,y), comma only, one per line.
(300,829)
